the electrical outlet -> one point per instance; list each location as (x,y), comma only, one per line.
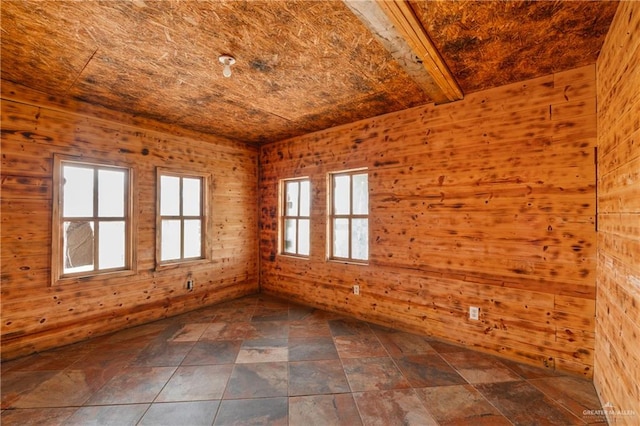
(356,290)
(190,283)
(474,313)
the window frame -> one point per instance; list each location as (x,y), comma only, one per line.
(332,216)
(284,217)
(204,217)
(58,276)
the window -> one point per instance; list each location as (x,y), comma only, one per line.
(349,216)
(295,224)
(181,225)
(92,219)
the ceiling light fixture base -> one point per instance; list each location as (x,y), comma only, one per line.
(227,61)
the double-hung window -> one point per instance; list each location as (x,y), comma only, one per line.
(349,216)
(92,219)
(181,226)
(295,223)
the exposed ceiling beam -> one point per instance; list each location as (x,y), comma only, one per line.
(396,26)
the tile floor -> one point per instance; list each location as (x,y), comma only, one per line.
(264,361)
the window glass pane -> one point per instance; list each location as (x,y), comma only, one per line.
(291,193)
(303,237)
(360,239)
(169,196)
(341,194)
(360,194)
(290,236)
(305,197)
(170,245)
(78,247)
(341,237)
(77,192)
(192,238)
(111,245)
(111,193)
(191,194)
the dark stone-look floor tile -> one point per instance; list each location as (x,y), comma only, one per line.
(65,389)
(335,410)
(366,374)
(213,352)
(523,404)
(392,407)
(261,380)
(231,315)
(189,332)
(133,385)
(15,384)
(196,383)
(300,329)
(36,416)
(55,359)
(16,364)
(271,329)
(300,312)
(428,370)
(141,334)
(253,412)
(163,354)
(576,394)
(443,347)
(400,344)
(203,315)
(271,301)
(320,315)
(199,413)
(270,314)
(116,355)
(529,371)
(263,350)
(359,346)
(317,377)
(477,367)
(460,405)
(229,331)
(314,348)
(111,415)
(349,327)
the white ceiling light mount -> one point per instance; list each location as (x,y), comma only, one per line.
(227,61)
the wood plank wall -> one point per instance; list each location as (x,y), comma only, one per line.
(36,315)
(617,360)
(489,202)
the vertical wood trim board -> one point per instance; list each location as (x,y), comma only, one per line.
(617,359)
(488,202)
(38,316)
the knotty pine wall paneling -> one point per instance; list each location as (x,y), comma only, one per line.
(37,315)
(617,359)
(486,202)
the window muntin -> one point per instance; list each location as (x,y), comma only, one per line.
(92,219)
(181,217)
(349,216)
(295,222)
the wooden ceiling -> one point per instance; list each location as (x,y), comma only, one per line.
(301,65)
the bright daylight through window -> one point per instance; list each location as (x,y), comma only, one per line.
(349,216)
(92,221)
(295,223)
(181,217)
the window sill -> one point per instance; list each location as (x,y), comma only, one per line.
(349,262)
(179,264)
(293,256)
(83,279)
